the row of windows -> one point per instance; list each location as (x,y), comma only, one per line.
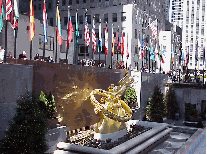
(40,7)
(97,19)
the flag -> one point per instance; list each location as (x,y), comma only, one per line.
(69,30)
(122,44)
(153,27)
(152,55)
(31,22)
(8,10)
(100,40)
(44,22)
(172,54)
(117,39)
(2,15)
(86,32)
(15,15)
(113,42)
(106,40)
(143,48)
(58,27)
(76,30)
(94,37)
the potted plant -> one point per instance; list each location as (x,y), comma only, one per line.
(130,97)
(156,107)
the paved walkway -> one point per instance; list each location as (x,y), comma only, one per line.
(202,147)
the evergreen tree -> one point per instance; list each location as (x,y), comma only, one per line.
(155,109)
(26,132)
(171,103)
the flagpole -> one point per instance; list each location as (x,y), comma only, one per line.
(15,41)
(100,40)
(92,39)
(116,48)
(31,50)
(67,38)
(77,34)
(149,55)
(112,45)
(44,38)
(85,37)
(5,53)
(56,34)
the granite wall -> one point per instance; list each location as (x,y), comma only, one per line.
(15,80)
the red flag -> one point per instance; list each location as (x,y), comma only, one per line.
(8,10)
(122,44)
(106,41)
(70,29)
(127,52)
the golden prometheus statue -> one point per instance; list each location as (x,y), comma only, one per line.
(113,111)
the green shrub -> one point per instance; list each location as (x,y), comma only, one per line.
(130,96)
(26,132)
(171,103)
(156,108)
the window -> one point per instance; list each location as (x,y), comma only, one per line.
(123,17)
(114,16)
(84,1)
(106,18)
(135,33)
(97,18)
(136,49)
(70,2)
(114,31)
(63,2)
(80,34)
(202,31)
(89,19)
(77,1)
(49,6)
(51,21)
(83,49)
(73,19)
(35,7)
(39,6)
(65,20)
(97,33)
(81,19)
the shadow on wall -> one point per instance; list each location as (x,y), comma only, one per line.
(62,79)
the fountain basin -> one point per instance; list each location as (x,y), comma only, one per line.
(137,144)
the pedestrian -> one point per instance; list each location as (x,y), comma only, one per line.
(10,55)
(23,55)
(49,59)
(130,68)
(37,56)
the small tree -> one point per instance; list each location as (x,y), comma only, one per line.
(171,103)
(155,109)
(130,96)
(26,133)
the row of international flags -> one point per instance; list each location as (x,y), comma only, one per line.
(12,16)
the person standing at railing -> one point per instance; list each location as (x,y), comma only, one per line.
(50,60)
(23,55)
(37,57)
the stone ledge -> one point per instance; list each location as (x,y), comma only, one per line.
(126,146)
(146,146)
